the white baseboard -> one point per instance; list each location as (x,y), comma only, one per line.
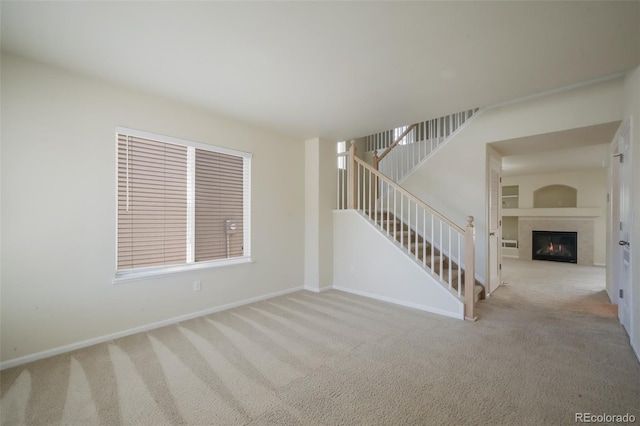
(599,264)
(318,290)
(400,302)
(107,337)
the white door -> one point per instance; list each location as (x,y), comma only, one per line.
(623,261)
(495,221)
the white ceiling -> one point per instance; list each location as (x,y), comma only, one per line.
(568,150)
(560,160)
(332,69)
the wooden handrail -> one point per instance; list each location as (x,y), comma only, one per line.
(396,142)
(407,194)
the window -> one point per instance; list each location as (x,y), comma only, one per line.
(407,139)
(342,160)
(181,205)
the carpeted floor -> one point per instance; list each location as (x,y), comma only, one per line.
(547,345)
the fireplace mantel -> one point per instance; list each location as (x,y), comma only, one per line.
(578,212)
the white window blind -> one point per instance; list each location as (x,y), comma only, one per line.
(180,202)
(219,206)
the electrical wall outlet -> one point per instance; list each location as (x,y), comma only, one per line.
(197,286)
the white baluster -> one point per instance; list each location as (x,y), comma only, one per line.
(374,196)
(424,237)
(368,193)
(388,196)
(409,220)
(459,270)
(450,253)
(441,253)
(395,227)
(357,170)
(416,244)
(433,240)
(401,220)
(339,183)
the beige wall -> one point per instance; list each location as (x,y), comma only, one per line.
(58,210)
(592,192)
(320,200)
(591,185)
(454,180)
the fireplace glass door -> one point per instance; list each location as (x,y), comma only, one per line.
(555,246)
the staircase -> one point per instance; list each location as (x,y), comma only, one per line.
(451,274)
(444,250)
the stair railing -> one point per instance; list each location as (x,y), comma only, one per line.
(435,242)
(415,143)
(377,160)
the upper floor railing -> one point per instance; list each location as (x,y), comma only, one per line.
(400,150)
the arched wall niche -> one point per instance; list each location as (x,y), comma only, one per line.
(551,196)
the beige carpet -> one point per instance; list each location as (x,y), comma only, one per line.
(547,345)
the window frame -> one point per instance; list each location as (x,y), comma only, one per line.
(121,276)
(341,148)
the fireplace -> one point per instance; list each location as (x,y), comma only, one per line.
(555,246)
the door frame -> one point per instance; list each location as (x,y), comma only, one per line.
(493,155)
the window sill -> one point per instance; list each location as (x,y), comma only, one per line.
(140,274)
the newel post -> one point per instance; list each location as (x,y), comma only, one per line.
(352,169)
(469,273)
